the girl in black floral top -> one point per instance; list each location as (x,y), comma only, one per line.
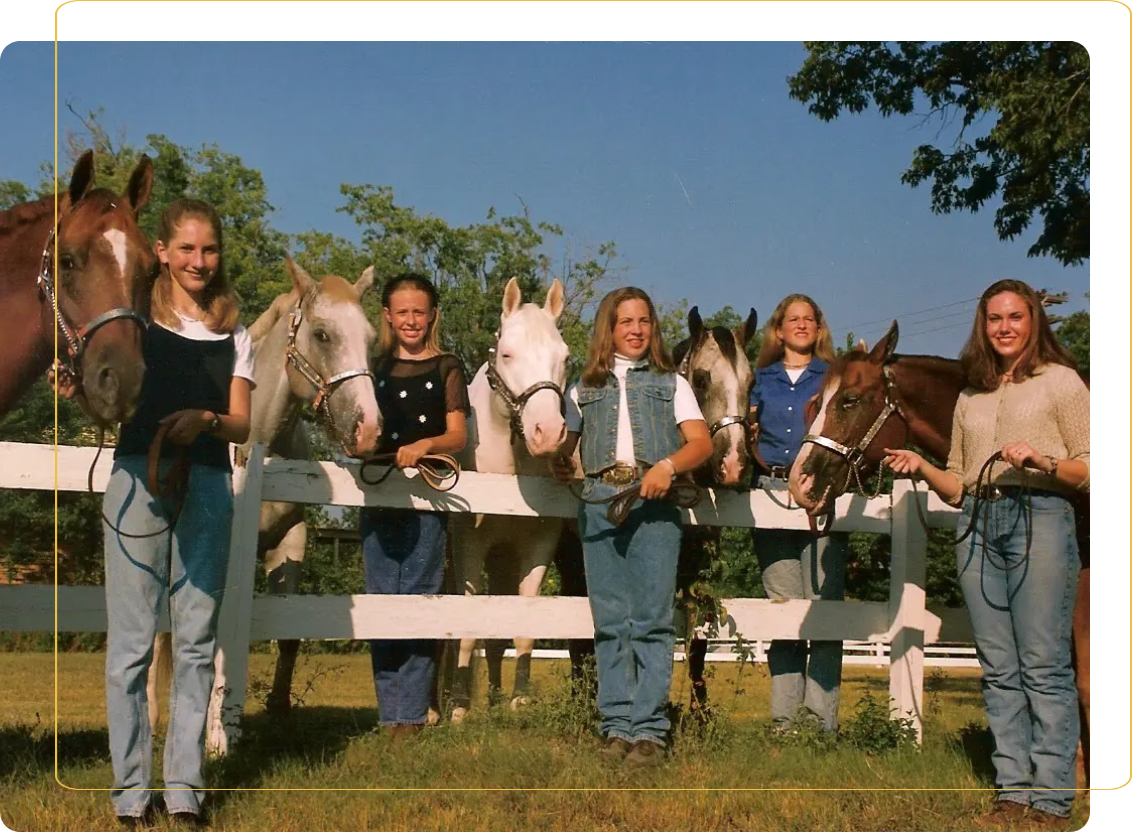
(424,401)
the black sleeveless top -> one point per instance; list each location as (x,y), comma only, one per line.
(181,373)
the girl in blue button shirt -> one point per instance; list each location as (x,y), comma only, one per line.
(796,348)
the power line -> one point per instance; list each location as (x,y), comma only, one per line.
(873,330)
(904,314)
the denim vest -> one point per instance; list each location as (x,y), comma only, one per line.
(652,415)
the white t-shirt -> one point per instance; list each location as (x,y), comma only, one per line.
(684,404)
(245,353)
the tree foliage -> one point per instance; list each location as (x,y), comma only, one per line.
(1034,95)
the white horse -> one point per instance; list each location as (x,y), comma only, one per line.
(517,423)
(312,347)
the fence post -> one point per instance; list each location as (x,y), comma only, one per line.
(233,636)
(907,607)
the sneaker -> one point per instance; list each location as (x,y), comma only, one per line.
(614,748)
(645,754)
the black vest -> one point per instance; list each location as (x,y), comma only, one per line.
(180,374)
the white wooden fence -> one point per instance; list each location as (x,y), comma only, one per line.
(902,622)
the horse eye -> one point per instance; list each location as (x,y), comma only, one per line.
(506,356)
(66,261)
(322,336)
(849,402)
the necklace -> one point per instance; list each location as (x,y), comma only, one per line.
(789,366)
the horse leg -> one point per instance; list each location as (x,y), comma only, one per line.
(469,547)
(284,566)
(1081,669)
(160,670)
(502,579)
(692,559)
(533,563)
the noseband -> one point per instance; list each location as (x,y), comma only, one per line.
(685,369)
(515,404)
(77,338)
(854,456)
(324,387)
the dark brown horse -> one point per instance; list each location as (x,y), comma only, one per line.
(86,277)
(877,399)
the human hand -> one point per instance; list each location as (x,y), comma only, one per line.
(656,481)
(903,461)
(562,467)
(1020,455)
(409,455)
(62,381)
(186,425)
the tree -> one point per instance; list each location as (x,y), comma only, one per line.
(1073,333)
(1036,153)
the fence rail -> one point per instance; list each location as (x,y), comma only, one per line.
(902,623)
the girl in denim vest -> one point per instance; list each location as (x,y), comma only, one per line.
(1019,569)
(637,421)
(805,677)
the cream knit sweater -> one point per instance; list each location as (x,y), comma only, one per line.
(1049,410)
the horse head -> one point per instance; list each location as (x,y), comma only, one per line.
(715,363)
(329,344)
(528,369)
(851,427)
(106,267)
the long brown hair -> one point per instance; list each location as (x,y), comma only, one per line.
(221,308)
(599,358)
(981,363)
(773,349)
(386,340)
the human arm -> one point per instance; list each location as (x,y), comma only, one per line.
(233,426)
(65,385)
(562,464)
(944,483)
(694,453)
(452,441)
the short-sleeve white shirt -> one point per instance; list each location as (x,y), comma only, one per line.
(245,352)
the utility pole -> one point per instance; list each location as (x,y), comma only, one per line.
(1049,299)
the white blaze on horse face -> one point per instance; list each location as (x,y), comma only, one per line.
(531,350)
(118,245)
(801,484)
(353,403)
(726,396)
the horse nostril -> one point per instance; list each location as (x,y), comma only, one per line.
(106,381)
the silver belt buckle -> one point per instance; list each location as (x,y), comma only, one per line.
(994,493)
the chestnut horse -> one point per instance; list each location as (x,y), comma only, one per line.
(84,277)
(899,399)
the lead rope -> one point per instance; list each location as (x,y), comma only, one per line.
(684,494)
(440,472)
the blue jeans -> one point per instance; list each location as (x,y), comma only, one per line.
(631,575)
(798,566)
(187,570)
(1022,613)
(403,554)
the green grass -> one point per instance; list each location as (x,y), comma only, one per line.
(330,743)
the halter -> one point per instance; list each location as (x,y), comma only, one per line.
(77,338)
(324,388)
(515,404)
(855,455)
(727,421)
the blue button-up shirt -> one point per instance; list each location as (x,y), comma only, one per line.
(781,407)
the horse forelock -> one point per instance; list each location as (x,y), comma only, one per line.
(337,289)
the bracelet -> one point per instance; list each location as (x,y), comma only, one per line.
(1053,465)
(671,466)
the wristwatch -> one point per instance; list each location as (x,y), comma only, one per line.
(1053,465)
(213,424)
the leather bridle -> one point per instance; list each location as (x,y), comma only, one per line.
(516,403)
(685,369)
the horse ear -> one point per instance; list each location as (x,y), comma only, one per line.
(364,283)
(695,324)
(299,278)
(512,298)
(555,300)
(886,346)
(746,330)
(861,345)
(140,185)
(82,177)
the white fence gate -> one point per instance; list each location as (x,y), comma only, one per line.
(903,623)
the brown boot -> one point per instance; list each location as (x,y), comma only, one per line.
(1004,814)
(614,749)
(644,754)
(1039,819)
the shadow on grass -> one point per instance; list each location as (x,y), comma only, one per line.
(976,744)
(311,735)
(29,750)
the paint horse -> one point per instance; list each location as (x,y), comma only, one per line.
(517,423)
(876,399)
(85,278)
(312,347)
(714,362)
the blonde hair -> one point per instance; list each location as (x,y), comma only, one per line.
(773,349)
(386,339)
(221,307)
(599,358)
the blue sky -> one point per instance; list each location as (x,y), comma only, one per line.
(691,157)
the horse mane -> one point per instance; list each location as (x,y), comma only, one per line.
(929,362)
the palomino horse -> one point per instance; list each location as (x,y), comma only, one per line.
(714,362)
(312,347)
(96,301)
(876,400)
(517,423)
